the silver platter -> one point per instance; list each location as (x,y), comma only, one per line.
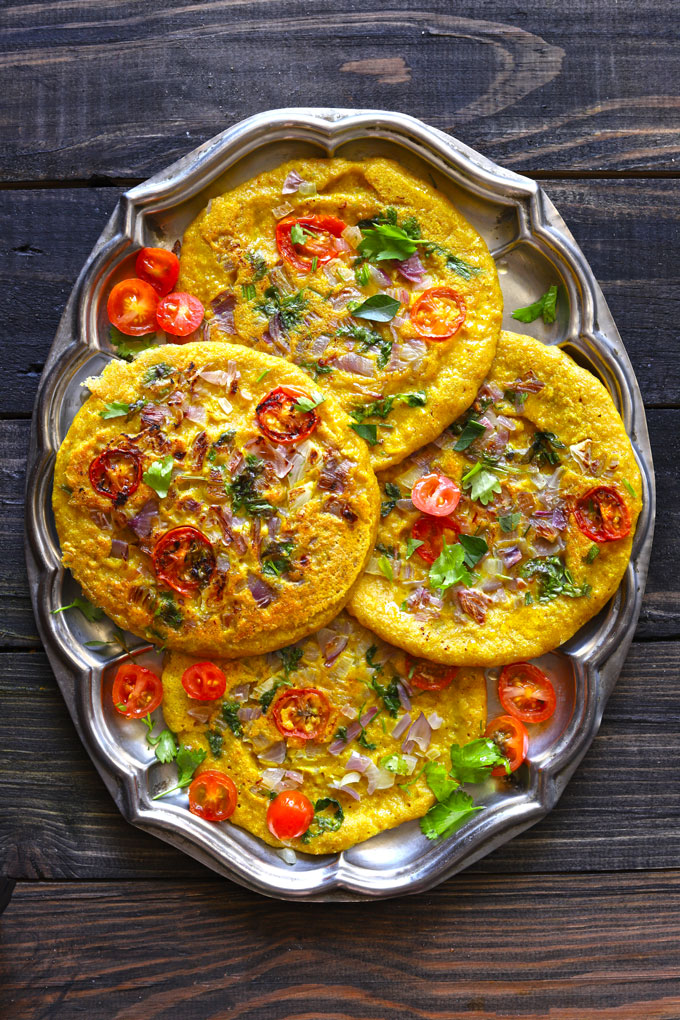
(532,248)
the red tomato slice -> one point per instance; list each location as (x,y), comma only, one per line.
(289,815)
(132,307)
(302,712)
(429,676)
(180,314)
(511,739)
(526,693)
(436,494)
(136,691)
(204,681)
(184,560)
(602,514)
(213,796)
(116,473)
(438,313)
(319,232)
(159,267)
(278,418)
(432,531)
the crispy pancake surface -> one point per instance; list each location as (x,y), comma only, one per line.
(230,258)
(545,434)
(346,663)
(283,529)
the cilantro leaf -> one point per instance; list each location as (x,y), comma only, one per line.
(543,448)
(306,404)
(268,696)
(389,693)
(449,568)
(128,347)
(289,307)
(315,368)
(298,234)
(472,763)
(393,493)
(386,241)
(545,306)
(481,483)
(386,568)
(475,547)
(90,612)
(381,408)
(276,558)
(554,579)
(444,818)
(367,432)
(215,741)
(472,431)
(411,545)
(166,746)
(509,522)
(323,822)
(159,475)
(187,760)
(441,784)
(230,716)
(291,658)
(243,491)
(379,308)
(115,409)
(395,763)
(168,612)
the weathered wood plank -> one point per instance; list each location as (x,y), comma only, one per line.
(94,87)
(533,946)
(620,810)
(627,229)
(661,605)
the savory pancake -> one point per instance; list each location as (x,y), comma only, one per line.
(379,729)
(364,275)
(207,497)
(543,531)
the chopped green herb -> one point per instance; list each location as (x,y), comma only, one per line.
(164,744)
(306,404)
(544,448)
(159,475)
(379,308)
(516,397)
(315,368)
(168,612)
(554,579)
(298,234)
(367,338)
(215,742)
(230,716)
(389,693)
(381,408)
(528,599)
(591,554)
(290,657)
(630,488)
(90,612)
(472,431)
(362,274)
(475,547)
(248,291)
(481,483)
(473,762)
(128,347)
(116,409)
(288,307)
(453,262)
(386,241)
(258,264)
(367,432)
(411,545)
(322,821)
(315,263)
(268,696)
(545,307)
(243,491)
(276,559)
(395,763)
(386,568)
(439,781)
(393,493)
(445,817)
(449,568)
(340,733)
(509,522)
(156,373)
(187,760)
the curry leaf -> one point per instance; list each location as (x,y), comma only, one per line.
(379,308)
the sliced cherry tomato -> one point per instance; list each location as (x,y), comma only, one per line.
(317,233)
(136,690)
(159,267)
(511,739)
(302,712)
(132,307)
(432,531)
(525,692)
(429,676)
(213,796)
(289,815)
(204,681)
(116,473)
(180,314)
(436,494)
(184,559)
(602,514)
(280,420)
(438,313)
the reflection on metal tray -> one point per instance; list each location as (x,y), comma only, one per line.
(532,247)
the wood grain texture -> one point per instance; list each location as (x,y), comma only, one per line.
(620,810)
(661,607)
(627,230)
(99,86)
(564,947)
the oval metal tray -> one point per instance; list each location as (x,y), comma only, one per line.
(532,248)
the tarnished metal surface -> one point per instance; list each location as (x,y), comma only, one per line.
(533,249)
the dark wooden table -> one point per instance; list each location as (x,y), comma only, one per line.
(580,916)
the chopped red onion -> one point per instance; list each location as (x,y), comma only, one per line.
(354,363)
(292,183)
(249,713)
(320,344)
(271,778)
(379,277)
(276,753)
(334,648)
(340,301)
(401,726)
(435,720)
(353,236)
(348,711)
(420,733)
(511,556)
(527,384)
(282,210)
(142,522)
(404,698)
(357,762)
(223,311)
(240,693)
(119,549)
(273,526)
(260,590)
(424,604)
(215,378)
(369,714)
(195,412)
(340,244)
(201,713)
(411,269)
(345,788)
(405,504)
(379,778)
(413,349)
